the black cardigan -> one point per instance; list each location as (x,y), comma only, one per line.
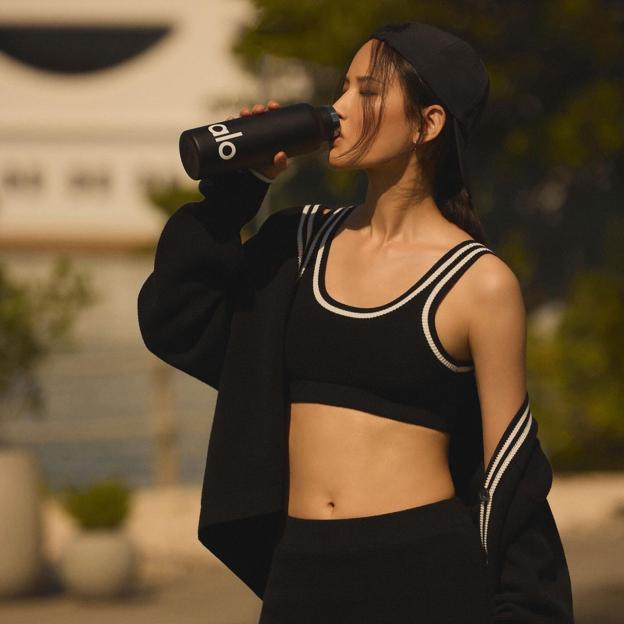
(216,309)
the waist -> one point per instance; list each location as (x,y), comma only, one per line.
(399,527)
(344,462)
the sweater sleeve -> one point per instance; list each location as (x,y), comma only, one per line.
(534,581)
(185,304)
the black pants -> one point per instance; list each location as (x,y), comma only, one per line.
(422,565)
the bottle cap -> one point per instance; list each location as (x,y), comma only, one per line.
(331,122)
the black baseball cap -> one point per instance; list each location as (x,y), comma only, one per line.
(452,69)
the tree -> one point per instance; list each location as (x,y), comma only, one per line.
(35,319)
(577,372)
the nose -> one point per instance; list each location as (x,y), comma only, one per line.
(338,130)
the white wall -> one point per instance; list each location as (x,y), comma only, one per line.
(122,123)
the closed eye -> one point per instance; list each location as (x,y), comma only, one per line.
(363,93)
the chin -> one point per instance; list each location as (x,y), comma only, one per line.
(341,164)
(334,159)
(332,164)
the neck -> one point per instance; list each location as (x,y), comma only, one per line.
(401,211)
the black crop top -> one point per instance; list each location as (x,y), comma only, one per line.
(387,360)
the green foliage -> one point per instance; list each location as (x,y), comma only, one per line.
(577,375)
(35,319)
(589,123)
(103,505)
(168,198)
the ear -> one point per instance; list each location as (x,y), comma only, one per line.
(434,118)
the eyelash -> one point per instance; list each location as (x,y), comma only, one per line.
(363,93)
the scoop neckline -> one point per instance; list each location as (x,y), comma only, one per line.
(324,252)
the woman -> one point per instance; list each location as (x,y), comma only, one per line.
(374,528)
(403,368)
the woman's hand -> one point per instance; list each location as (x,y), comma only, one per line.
(280,160)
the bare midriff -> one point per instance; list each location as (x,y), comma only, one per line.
(346,463)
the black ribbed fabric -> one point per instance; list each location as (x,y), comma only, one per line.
(422,564)
(379,359)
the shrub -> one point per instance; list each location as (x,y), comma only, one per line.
(103,505)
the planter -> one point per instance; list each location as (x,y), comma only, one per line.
(99,563)
(21,562)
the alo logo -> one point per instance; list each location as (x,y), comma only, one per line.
(227,149)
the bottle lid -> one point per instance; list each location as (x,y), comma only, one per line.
(331,122)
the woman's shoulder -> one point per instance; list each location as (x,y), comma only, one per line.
(492,280)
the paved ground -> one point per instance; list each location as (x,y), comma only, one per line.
(193,594)
(596,562)
(189,594)
(182,584)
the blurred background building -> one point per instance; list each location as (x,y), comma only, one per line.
(95,97)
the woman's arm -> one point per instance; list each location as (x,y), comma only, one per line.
(185,305)
(497,338)
(532,579)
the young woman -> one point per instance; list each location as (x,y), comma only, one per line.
(374,526)
(400,357)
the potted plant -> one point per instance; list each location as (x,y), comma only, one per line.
(35,321)
(100,560)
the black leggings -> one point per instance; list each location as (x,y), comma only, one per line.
(422,565)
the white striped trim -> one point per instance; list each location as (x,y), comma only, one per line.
(310,223)
(425,312)
(324,227)
(358,314)
(493,477)
(262,176)
(307,216)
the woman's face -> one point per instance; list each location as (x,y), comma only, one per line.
(395,135)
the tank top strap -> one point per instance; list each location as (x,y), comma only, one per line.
(467,254)
(313,222)
(452,265)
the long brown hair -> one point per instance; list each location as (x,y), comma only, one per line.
(438,156)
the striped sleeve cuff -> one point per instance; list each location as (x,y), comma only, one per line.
(261,176)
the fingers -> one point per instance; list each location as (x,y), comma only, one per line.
(281,159)
(259,108)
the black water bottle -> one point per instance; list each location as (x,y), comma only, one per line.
(253,141)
